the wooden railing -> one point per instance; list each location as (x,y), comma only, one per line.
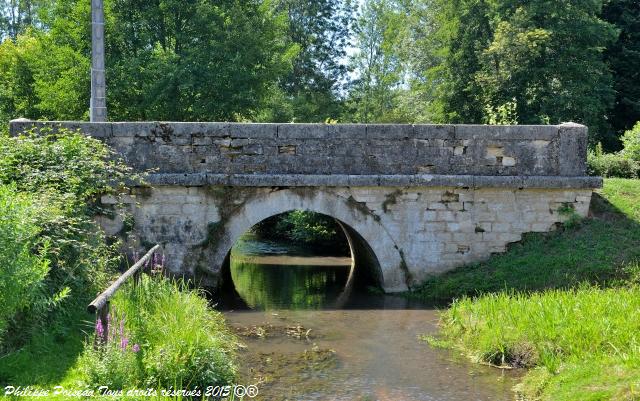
(100,305)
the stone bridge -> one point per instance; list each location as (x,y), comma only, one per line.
(414,200)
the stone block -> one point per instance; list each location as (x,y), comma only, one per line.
(389,131)
(302,131)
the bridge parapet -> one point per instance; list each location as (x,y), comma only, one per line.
(214,151)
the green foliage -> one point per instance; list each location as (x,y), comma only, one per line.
(313,87)
(21,270)
(612,165)
(195,61)
(41,78)
(374,93)
(65,172)
(623,164)
(74,166)
(504,114)
(306,228)
(169,60)
(539,57)
(631,141)
(623,57)
(182,342)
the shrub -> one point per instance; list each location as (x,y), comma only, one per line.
(631,141)
(182,342)
(77,167)
(22,271)
(69,171)
(612,165)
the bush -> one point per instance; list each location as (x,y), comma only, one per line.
(66,172)
(612,165)
(22,270)
(77,167)
(631,141)
(162,334)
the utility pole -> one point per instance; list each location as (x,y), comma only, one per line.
(98,105)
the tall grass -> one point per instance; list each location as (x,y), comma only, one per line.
(165,335)
(558,332)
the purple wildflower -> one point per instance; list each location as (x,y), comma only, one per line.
(99,328)
(135,348)
(122,327)
(123,343)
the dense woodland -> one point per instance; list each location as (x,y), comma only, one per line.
(440,61)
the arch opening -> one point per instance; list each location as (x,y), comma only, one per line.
(299,259)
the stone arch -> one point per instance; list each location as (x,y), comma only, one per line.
(370,243)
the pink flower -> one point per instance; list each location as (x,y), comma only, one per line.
(122,327)
(99,328)
(123,343)
(135,348)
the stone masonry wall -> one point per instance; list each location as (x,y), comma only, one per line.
(413,232)
(235,148)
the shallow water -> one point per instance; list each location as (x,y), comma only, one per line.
(307,339)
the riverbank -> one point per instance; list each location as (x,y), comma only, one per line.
(565,305)
(54,260)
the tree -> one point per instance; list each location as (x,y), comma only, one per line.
(548,60)
(18,15)
(166,60)
(320,29)
(375,91)
(623,57)
(189,61)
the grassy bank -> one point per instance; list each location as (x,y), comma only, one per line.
(161,334)
(565,305)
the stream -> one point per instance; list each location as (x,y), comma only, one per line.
(306,337)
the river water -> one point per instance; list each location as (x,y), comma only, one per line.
(307,338)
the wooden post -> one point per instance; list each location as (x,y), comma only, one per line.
(98,103)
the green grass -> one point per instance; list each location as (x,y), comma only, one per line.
(581,344)
(599,250)
(564,305)
(51,351)
(183,343)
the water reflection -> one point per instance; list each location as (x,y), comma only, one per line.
(289,282)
